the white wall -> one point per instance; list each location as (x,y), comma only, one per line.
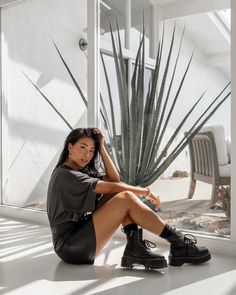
(32,132)
(201,76)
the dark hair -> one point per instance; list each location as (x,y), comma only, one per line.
(73,137)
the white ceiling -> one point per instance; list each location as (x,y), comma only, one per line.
(202,29)
(119,5)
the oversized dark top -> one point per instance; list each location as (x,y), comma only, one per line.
(70,195)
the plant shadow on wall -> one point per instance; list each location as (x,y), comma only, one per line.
(136,149)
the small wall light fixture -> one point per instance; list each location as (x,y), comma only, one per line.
(83,44)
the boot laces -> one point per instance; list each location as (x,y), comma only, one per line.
(190,240)
(148,244)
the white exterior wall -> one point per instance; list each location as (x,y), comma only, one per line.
(32,131)
(201,76)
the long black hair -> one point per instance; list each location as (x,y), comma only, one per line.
(73,137)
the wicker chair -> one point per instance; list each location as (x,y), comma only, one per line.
(204,163)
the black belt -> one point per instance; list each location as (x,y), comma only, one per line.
(75,218)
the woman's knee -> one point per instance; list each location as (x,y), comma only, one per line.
(126,197)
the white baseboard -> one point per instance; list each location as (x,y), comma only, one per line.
(30,215)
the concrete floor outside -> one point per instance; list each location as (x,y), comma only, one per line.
(192,214)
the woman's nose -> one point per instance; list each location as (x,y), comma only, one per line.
(86,153)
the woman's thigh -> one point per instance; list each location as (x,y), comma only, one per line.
(104,199)
(109,216)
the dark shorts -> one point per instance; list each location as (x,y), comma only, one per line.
(75,242)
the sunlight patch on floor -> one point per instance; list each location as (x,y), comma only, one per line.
(49,287)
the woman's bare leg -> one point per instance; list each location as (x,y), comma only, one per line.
(106,198)
(123,208)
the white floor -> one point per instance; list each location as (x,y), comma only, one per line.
(28,265)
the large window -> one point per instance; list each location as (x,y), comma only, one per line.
(33,132)
(208,35)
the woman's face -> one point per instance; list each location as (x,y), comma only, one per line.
(82,152)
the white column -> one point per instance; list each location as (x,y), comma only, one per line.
(127,23)
(233,120)
(93,20)
(4,60)
(154,30)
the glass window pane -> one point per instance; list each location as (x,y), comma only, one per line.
(110,11)
(142,141)
(33,131)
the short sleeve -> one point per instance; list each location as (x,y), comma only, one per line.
(78,191)
(96,174)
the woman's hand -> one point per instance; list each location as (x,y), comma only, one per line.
(111,173)
(100,135)
(154,199)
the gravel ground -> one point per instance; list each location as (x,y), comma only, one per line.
(195,222)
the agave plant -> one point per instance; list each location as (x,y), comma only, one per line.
(144,117)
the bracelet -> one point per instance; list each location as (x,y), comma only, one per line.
(149,192)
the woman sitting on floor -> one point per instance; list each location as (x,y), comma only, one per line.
(85,209)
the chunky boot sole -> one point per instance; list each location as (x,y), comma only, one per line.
(178,261)
(128,262)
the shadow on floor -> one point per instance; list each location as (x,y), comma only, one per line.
(29,266)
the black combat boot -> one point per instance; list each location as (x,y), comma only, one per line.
(183,248)
(137,251)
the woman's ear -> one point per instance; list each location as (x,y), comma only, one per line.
(69,147)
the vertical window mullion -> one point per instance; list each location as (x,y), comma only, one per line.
(233,121)
(93,62)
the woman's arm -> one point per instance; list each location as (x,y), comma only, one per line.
(111,172)
(104,187)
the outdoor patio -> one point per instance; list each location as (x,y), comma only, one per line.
(193,214)
(173,192)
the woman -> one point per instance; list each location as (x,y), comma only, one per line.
(85,209)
